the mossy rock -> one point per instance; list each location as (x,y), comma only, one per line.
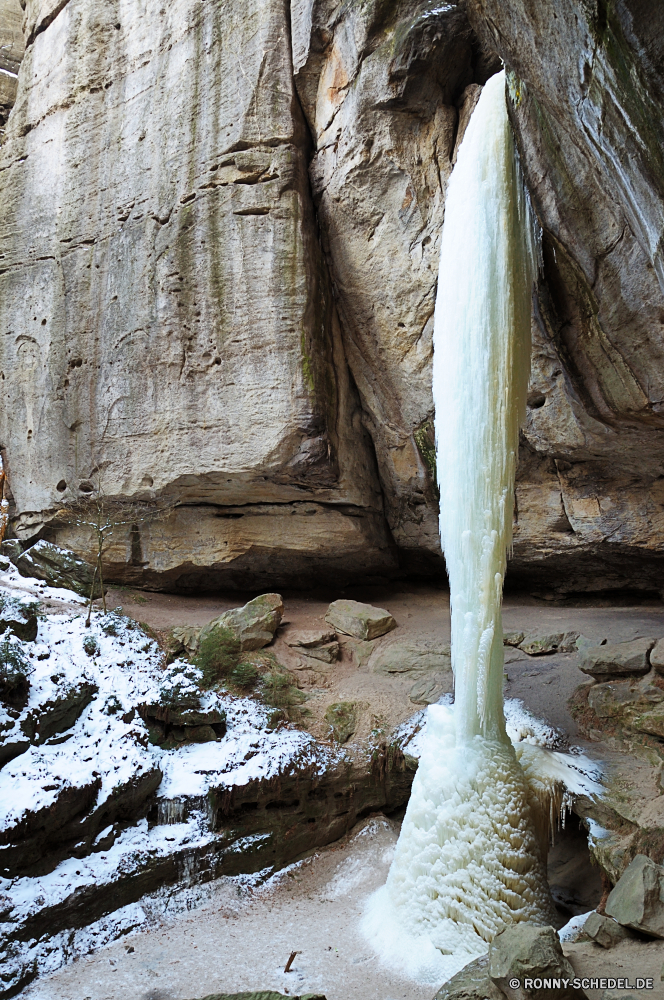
(57,567)
(342,717)
(253,625)
(218,653)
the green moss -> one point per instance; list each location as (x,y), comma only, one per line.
(342,718)
(218,655)
(426,443)
(244,675)
(307,367)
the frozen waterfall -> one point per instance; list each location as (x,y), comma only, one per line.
(468,859)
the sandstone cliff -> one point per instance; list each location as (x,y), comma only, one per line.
(219,229)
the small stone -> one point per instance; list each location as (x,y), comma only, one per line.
(657,657)
(471,983)
(513,639)
(619,659)
(538,644)
(604,930)
(359,620)
(637,901)
(310,638)
(327,654)
(526,951)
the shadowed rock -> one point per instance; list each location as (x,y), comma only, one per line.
(637,901)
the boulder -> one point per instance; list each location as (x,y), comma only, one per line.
(527,952)
(400,656)
(310,638)
(254,624)
(359,620)
(169,728)
(620,699)
(657,657)
(637,901)
(342,718)
(329,653)
(471,983)
(57,567)
(604,930)
(183,640)
(617,659)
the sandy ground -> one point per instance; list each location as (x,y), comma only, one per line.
(544,683)
(242,940)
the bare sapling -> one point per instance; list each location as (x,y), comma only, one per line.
(103,516)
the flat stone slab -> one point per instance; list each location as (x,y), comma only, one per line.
(617,659)
(403,656)
(329,653)
(637,901)
(310,638)
(362,621)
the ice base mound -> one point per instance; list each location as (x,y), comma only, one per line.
(470,857)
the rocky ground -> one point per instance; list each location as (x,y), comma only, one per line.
(123,800)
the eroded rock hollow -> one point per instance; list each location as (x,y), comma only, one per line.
(219,241)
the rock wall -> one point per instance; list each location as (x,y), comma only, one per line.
(587,90)
(167,315)
(11,53)
(219,231)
